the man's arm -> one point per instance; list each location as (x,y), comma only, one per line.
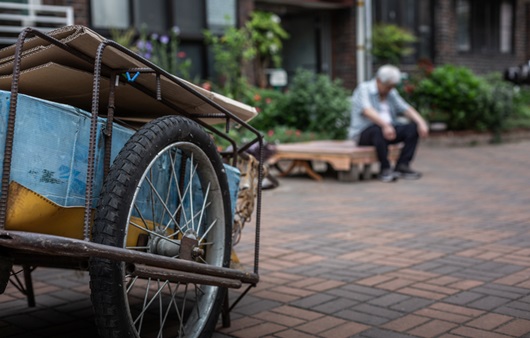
(388,130)
(423,128)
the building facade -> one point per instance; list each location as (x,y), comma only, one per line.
(484,35)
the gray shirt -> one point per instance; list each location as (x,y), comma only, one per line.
(366,95)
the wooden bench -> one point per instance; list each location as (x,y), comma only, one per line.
(345,157)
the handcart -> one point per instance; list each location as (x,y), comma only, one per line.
(110,166)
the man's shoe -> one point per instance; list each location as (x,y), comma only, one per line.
(387,175)
(405,172)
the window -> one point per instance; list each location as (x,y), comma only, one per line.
(414,15)
(485,26)
(110,14)
(220,14)
(463,29)
(150,15)
(189,16)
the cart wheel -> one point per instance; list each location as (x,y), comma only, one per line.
(166,194)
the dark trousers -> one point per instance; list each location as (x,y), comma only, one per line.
(406,133)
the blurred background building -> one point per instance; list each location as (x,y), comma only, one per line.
(484,35)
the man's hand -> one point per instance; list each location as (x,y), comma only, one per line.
(389,132)
(423,129)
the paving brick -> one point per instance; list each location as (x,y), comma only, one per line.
(239,324)
(335,305)
(489,321)
(380,333)
(321,324)
(463,298)
(297,312)
(258,330)
(278,318)
(442,315)
(412,304)
(432,328)
(361,317)
(489,303)
(314,300)
(405,323)
(422,293)
(517,328)
(344,330)
(472,332)
(292,333)
(389,299)
(377,311)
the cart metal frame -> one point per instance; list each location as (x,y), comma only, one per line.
(34,249)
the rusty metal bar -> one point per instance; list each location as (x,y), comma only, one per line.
(110,119)
(64,246)
(144,271)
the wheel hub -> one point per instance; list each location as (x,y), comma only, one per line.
(190,249)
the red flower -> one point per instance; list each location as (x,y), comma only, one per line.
(270,132)
(207,86)
(181,55)
(298,132)
(268,100)
(257,97)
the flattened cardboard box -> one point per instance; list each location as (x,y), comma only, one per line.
(48,72)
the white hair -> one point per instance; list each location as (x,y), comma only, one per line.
(389,74)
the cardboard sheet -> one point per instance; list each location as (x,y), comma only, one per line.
(54,74)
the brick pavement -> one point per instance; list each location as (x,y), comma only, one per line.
(445,256)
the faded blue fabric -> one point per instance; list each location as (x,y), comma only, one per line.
(50,150)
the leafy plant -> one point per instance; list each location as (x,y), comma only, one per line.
(163,50)
(315,103)
(266,34)
(231,51)
(123,37)
(464,100)
(390,43)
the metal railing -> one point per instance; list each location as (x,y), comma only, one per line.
(14,17)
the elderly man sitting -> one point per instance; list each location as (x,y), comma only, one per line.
(376,105)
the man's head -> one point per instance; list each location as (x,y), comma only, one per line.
(387,78)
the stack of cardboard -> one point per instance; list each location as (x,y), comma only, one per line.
(51,73)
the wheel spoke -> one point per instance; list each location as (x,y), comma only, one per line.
(207,231)
(153,189)
(186,224)
(191,191)
(152,299)
(154,233)
(203,208)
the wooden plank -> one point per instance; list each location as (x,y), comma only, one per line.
(343,156)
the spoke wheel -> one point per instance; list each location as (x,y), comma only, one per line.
(166,194)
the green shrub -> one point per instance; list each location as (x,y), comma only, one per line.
(315,103)
(391,43)
(463,100)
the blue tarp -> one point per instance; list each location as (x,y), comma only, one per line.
(50,149)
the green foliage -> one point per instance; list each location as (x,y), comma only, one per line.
(266,35)
(123,37)
(163,50)
(268,102)
(463,100)
(259,40)
(230,52)
(390,43)
(314,103)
